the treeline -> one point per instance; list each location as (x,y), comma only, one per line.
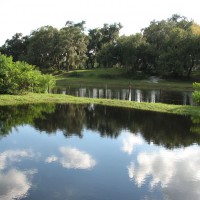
(169,48)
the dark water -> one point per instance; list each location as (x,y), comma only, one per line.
(88,152)
(163,96)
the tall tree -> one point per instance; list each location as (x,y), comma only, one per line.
(42,47)
(127,51)
(99,37)
(73,45)
(15,47)
(172,44)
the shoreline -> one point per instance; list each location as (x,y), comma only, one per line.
(33,98)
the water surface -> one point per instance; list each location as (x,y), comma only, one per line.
(95,153)
(130,94)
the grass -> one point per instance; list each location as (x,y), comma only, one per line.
(60,98)
(116,77)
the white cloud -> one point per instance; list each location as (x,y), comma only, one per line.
(177,172)
(73,158)
(130,141)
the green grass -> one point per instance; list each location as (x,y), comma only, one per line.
(60,98)
(115,77)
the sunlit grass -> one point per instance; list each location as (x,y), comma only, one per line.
(116,77)
(60,98)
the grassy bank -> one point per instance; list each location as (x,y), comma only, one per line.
(59,98)
(118,78)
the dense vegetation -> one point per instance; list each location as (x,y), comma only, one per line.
(20,77)
(196,93)
(169,48)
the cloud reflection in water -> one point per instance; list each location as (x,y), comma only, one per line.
(130,141)
(73,158)
(14,183)
(172,170)
(10,156)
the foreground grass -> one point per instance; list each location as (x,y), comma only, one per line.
(60,98)
(117,78)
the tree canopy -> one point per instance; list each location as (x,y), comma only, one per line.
(169,48)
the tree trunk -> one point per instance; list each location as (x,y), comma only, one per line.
(190,69)
(67,63)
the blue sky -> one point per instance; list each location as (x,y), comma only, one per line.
(23,16)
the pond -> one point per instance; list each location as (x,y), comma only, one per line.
(94,152)
(131,94)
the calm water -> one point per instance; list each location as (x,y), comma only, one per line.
(163,96)
(87,152)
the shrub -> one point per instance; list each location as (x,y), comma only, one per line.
(196,93)
(20,77)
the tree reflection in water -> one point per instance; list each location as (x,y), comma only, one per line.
(168,130)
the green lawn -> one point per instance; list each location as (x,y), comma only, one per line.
(60,98)
(113,77)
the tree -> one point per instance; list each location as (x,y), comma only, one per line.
(131,48)
(99,37)
(127,52)
(174,46)
(43,47)
(73,45)
(169,48)
(15,47)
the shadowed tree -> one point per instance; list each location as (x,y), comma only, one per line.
(174,46)
(16,47)
(42,47)
(99,37)
(73,45)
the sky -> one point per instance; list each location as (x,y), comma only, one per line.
(24,16)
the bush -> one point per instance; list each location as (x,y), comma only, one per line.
(196,93)
(20,77)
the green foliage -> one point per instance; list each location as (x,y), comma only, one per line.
(168,48)
(15,47)
(20,77)
(127,52)
(174,46)
(73,45)
(99,40)
(43,47)
(196,86)
(196,93)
